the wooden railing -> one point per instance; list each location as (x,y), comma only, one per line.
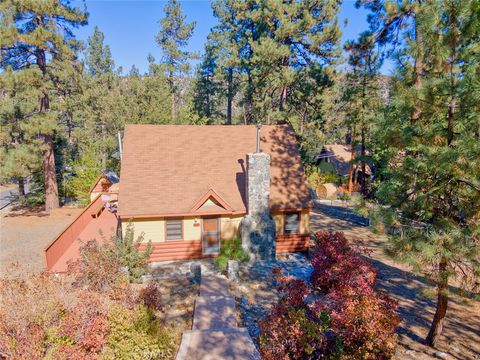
(58,246)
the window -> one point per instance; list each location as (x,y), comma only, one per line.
(174,229)
(292,223)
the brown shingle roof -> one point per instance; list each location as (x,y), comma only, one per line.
(340,156)
(166,169)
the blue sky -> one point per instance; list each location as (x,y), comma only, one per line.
(130,27)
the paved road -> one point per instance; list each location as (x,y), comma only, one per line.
(8,196)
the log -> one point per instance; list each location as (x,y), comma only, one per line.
(326,190)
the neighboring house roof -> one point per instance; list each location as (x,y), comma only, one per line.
(170,170)
(339,156)
(105,178)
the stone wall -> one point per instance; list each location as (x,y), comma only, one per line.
(258,228)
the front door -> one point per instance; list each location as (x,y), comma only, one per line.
(211,236)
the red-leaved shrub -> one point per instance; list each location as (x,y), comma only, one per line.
(349,319)
(365,322)
(76,315)
(292,331)
(150,297)
(336,265)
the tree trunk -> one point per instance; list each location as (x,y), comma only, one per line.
(49,171)
(172,91)
(442,304)
(364,165)
(173,106)
(49,174)
(283,98)
(21,188)
(418,69)
(352,157)
(229,95)
(249,100)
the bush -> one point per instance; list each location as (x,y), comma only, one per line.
(365,322)
(350,320)
(318,177)
(230,250)
(98,268)
(34,198)
(102,267)
(293,331)
(337,265)
(129,255)
(150,297)
(48,317)
(136,334)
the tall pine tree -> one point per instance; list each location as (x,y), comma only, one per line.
(172,39)
(38,35)
(362,97)
(431,143)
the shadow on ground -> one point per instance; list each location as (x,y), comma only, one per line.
(414,293)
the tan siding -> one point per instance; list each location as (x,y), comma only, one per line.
(191,232)
(229,226)
(153,229)
(279,222)
(305,222)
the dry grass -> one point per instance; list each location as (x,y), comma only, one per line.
(23,236)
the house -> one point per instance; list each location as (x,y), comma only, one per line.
(103,183)
(336,158)
(187,187)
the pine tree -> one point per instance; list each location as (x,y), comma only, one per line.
(207,87)
(172,39)
(96,102)
(38,35)
(295,40)
(98,57)
(431,192)
(134,71)
(230,40)
(361,93)
(19,157)
(392,25)
(279,55)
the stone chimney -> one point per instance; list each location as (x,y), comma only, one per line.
(258,228)
(258,184)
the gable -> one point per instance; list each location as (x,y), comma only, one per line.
(102,184)
(210,206)
(211,202)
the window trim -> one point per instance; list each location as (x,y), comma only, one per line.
(285,222)
(181,219)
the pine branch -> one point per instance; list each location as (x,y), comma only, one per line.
(469,183)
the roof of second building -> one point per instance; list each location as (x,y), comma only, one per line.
(340,156)
(167,169)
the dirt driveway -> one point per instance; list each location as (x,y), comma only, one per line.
(23,236)
(415,294)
